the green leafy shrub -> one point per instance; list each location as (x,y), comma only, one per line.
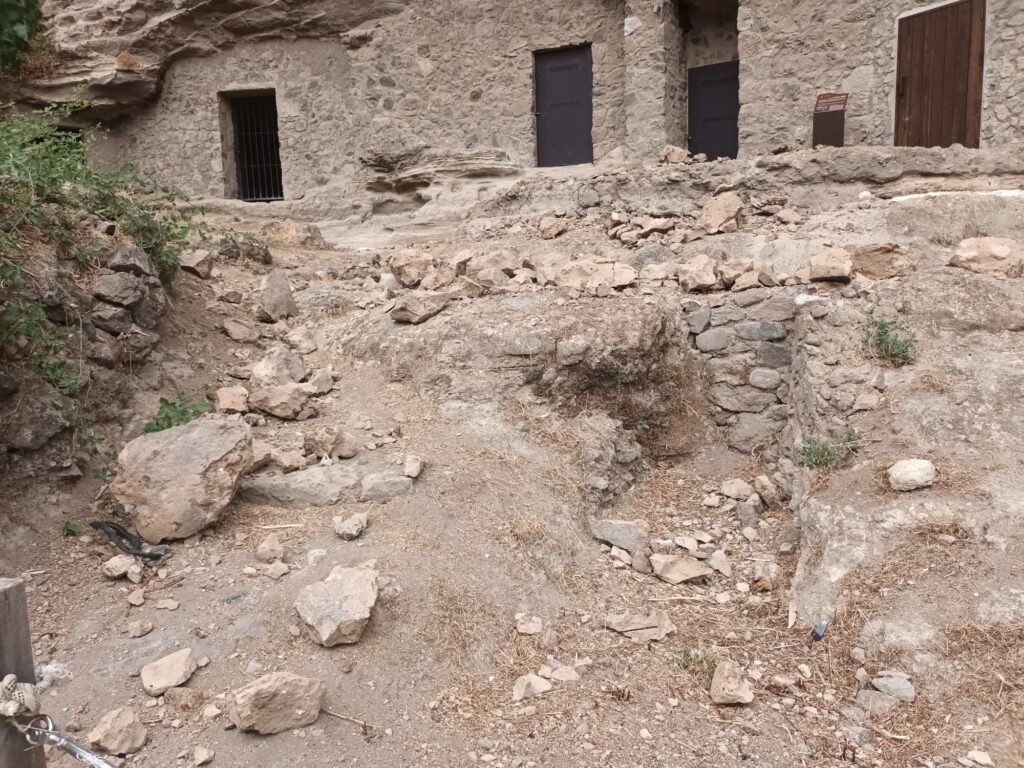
(828,453)
(174,413)
(46,185)
(891,341)
(18,20)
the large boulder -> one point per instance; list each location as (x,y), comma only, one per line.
(337,609)
(176,482)
(718,212)
(276,703)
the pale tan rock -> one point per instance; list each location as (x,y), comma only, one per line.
(416,309)
(139,628)
(279,366)
(118,566)
(270,549)
(528,686)
(176,482)
(240,331)
(730,686)
(168,672)
(351,527)
(698,274)
(718,212)
(276,301)
(285,401)
(232,400)
(550,227)
(993,256)
(642,628)
(833,265)
(202,756)
(119,732)
(676,569)
(275,703)
(337,609)
(674,155)
(413,466)
(410,267)
(339,444)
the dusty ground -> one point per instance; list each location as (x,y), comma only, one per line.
(497,524)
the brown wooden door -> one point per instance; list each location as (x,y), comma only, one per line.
(565,106)
(940,67)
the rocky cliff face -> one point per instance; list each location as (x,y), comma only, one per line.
(114,52)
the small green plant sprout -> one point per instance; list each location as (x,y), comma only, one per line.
(70,528)
(828,453)
(174,413)
(891,341)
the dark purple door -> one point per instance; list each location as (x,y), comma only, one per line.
(565,106)
(715,110)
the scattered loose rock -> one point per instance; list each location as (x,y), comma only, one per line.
(380,486)
(730,686)
(169,672)
(198,262)
(270,549)
(337,609)
(676,569)
(993,256)
(118,566)
(139,628)
(119,732)
(832,265)
(528,686)
(232,400)
(351,527)
(418,308)
(911,474)
(630,535)
(276,302)
(642,628)
(897,687)
(528,625)
(275,703)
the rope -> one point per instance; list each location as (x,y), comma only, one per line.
(17,699)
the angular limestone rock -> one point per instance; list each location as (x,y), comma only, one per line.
(730,686)
(675,569)
(285,401)
(718,212)
(276,703)
(418,308)
(119,732)
(319,486)
(280,366)
(528,686)
(911,474)
(276,302)
(832,265)
(168,672)
(351,527)
(380,486)
(630,535)
(993,256)
(337,609)
(641,628)
(176,482)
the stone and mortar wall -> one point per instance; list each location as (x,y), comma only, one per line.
(792,51)
(453,76)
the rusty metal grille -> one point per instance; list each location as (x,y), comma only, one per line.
(257,148)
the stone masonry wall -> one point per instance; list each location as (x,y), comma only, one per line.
(453,75)
(792,51)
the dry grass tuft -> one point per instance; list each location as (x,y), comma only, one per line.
(937,382)
(526,528)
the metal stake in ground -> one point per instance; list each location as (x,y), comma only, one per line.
(16,659)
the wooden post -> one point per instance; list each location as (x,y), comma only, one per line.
(16,659)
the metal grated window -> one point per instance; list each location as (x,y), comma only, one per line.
(257,148)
